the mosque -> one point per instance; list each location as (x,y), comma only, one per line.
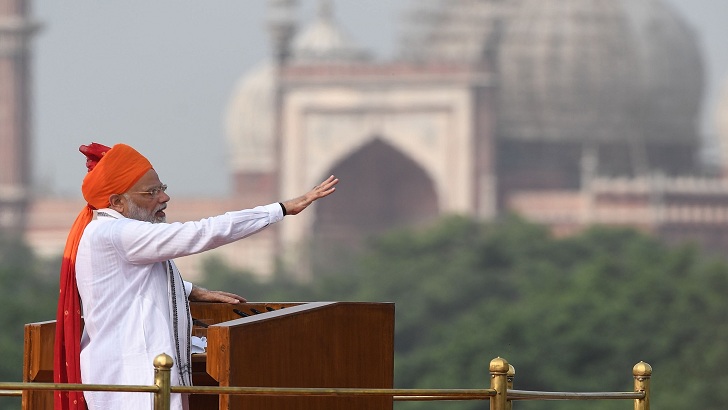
(570,113)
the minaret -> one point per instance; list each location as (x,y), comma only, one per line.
(281,28)
(16,31)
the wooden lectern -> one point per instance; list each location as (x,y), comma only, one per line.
(321,344)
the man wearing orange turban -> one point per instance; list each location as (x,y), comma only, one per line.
(118,265)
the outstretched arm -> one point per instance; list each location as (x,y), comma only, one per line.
(296,205)
(293,207)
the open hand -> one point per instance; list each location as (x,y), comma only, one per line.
(326,188)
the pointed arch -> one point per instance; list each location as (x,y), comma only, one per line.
(391,191)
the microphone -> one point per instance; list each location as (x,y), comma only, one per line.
(241,313)
(199,323)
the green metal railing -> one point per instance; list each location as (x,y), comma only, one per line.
(500,394)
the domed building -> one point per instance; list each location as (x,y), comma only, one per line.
(571,112)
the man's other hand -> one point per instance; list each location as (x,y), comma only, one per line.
(199,294)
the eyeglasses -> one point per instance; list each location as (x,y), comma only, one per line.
(153,192)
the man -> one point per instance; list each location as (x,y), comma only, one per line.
(118,265)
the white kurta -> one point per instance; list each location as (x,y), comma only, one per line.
(122,277)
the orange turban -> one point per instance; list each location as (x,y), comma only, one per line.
(111,171)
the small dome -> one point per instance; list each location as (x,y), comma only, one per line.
(249,121)
(324,41)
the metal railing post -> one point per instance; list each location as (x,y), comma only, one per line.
(642,373)
(499,382)
(509,384)
(162,379)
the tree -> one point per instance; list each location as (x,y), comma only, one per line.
(570,314)
(29,292)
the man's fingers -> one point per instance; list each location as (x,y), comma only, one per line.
(235,297)
(330,182)
(227,297)
(328,186)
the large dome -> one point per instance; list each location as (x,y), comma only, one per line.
(568,71)
(573,70)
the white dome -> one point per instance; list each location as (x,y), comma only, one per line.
(249,121)
(324,41)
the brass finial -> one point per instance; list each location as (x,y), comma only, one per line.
(163,361)
(511,370)
(642,369)
(499,365)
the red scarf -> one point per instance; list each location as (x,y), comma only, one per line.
(111,171)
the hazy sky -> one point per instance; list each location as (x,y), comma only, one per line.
(158,75)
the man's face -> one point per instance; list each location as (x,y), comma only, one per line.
(146,200)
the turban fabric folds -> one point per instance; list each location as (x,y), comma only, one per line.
(111,171)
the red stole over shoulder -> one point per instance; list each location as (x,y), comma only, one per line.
(111,171)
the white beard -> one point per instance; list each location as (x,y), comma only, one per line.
(134,211)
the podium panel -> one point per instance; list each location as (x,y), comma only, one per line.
(320,345)
(38,363)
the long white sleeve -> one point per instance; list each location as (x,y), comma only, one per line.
(144,242)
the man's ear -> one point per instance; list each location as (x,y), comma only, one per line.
(117,203)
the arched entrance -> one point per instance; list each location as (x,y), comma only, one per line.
(385,190)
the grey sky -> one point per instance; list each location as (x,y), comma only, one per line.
(158,75)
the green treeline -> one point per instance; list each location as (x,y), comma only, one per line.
(28,293)
(570,314)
